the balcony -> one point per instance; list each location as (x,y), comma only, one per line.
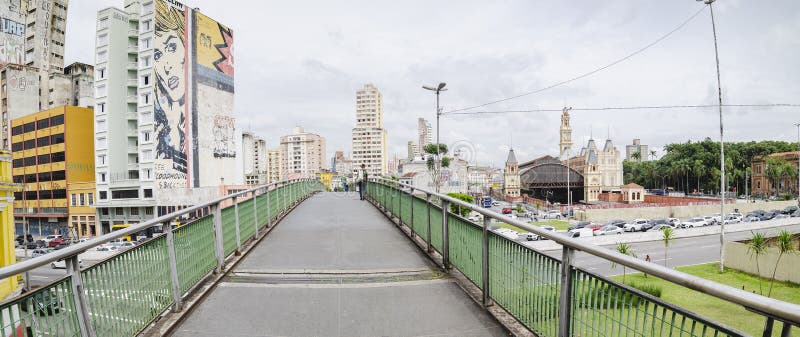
(133,49)
(132,82)
(133,32)
(133,65)
(132,99)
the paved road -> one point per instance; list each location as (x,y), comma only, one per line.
(682,252)
(336,267)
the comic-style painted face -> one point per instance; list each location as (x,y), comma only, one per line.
(170,58)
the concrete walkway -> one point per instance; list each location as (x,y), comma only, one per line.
(336,267)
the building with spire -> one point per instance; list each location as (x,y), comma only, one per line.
(511,177)
(565,136)
(601,169)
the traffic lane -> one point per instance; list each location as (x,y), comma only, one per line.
(682,252)
(45,274)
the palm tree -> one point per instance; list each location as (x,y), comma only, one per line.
(756,247)
(652,154)
(626,249)
(699,170)
(784,247)
(637,156)
(667,235)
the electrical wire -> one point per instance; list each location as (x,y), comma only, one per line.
(640,50)
(647,107)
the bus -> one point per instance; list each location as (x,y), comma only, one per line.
(486,202)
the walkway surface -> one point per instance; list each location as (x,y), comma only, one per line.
(335,266)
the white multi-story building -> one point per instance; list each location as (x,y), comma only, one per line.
(417,174)
(413,150)
(369,136)
(19,96)
(165,133)
(302,154)
(637,151)
(75,86)
(254,156)
(274,166)
(424,133)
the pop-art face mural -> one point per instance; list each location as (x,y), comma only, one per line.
(170,105)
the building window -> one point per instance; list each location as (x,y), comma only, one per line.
(102,40)
(119,211)
(101,107)
(57,120)
(147,8)
(101,91)
(146,25)
(134,211)
(102,56)
(103,196)
(146,79)
(101,73)
(101,125)
(91,198)
(145,61)
(148,193)
(147,155)
(101,159)
(102,180)
(101,143)
(73,199)
(146,136)
(82,199)
(148,211)
(145,44)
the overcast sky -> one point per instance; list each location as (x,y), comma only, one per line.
(301,62)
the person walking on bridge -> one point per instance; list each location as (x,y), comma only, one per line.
(362,186)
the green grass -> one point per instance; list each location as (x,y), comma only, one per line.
(716,309)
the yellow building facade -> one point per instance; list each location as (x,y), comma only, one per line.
(326,179)
(53,157)
(7,256)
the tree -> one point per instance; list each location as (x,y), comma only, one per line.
(756,247)
(784,247)
(699,170)
(436,150)
(667,236)
(457,209)
(637,156)
(625,249)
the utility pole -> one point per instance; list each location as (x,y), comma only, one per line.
(798,163)
(438,162)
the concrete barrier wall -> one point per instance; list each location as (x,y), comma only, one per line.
(737,257)
(602,215)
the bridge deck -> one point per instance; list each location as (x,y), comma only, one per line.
(336,267)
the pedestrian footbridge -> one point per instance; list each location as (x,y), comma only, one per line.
(288,259)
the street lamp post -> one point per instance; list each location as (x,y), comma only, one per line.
(438,163)
(798,163)
(722,186)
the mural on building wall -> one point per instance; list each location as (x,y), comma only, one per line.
(213,100)
(12,33)
(171,160)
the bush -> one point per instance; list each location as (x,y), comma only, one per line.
(787,197)
(651,289)
(463,197)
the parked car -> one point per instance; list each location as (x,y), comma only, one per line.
(578,225)
(50,238)
(63,264)
(694,222)
(55,242)
(528,236)
(710,220)
(717,218)
(39,252)
(752,218)
(660,227)
(62,245)
(477,217)
(106,248)
(675,222)
(509,234)
(617,222)
(580,232)
(608,230)
(796,214)
(28,238)
(635,225)
(507,210)
(654,223)
(789,210)
(594,226)
(767,216)
(495,203)
(780,216)
(44,303)
(37,244)
(733,218)
(127,245)
(552,215)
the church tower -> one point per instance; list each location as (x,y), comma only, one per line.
(511,177)
(565,139)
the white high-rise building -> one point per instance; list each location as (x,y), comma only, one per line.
(254,156)
(302,154)
(165,133)
(424,131)
(369,136)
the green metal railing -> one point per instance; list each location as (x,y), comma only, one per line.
(122,295)
(552,297)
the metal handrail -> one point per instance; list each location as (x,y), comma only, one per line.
(785,310)
(19,268)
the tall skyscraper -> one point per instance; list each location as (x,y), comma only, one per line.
(369,136)
(254,155)
(302,154)
(32,37)
(164,124)
(424,131)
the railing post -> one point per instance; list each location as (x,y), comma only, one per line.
(236,220)
(173,270)
(283,192)
(428,203)
(218,248)
(255,213)
(485,260)
(411,203)
(399,207)
(445,239)
(269,217)
(385,196)
(565,300)
(79,297)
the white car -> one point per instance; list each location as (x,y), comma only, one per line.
(507,233)
(126,245)
(635,225)
(107,248)
(528,236)
(694,222)
(477,217)
(512,216)
(709,220)
(675,222)
(63,264)
(49,238)
(39,252)
(552,215)
(608,230)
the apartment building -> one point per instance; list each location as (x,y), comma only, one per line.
(369,136)
(302,154)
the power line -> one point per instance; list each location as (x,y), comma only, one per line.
(646,107)
(591,72)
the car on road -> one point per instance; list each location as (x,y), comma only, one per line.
(796,214)
(127,245)
(694,222)
(733,218)
(554,214)
(44,303)
(548,228)
(477,217)
(789,210)
(656,222)
(636,225)
(62,245)
(528,236)
(507,233)
(37,244)
(61,264)
(751,218)
(19,239)
(507,210)
(55,242)
(39,252)
(608,230)
(495,203)
(579,225)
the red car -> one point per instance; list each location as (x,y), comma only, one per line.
(55,242)
(507,210)
(594,226)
